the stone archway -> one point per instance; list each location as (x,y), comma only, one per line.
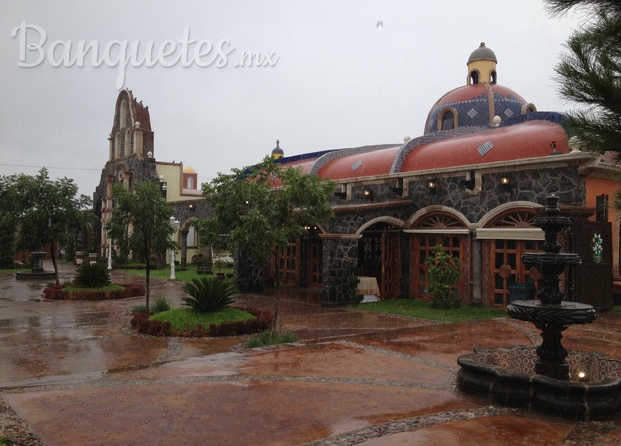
(380,254)
(184,231)
(438,227)
(506,236)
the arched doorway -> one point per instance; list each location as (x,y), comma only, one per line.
(438,228)
(505,239)
(379,256)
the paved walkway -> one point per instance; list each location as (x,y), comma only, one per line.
(75,375)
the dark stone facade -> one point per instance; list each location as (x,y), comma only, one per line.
(340,254)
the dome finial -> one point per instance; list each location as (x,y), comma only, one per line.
(277,152)
(482,45)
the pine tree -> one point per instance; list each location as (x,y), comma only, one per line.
(590,73)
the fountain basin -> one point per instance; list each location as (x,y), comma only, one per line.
(567,313)
(37,272)
(35,275)
(508,375)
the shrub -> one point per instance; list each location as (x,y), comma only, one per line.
(54,292)
(263,320)
(94,275)
(139,309)
(160,305)
(444,272)
(208,294)
(57,292)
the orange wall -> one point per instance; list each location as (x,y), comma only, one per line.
(599,186)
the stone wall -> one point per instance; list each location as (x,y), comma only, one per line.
(340,259)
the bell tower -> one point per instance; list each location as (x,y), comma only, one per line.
(482,66)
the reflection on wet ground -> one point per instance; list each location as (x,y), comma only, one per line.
(355,377)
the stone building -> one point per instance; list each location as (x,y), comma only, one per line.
(132,159)
(473,182)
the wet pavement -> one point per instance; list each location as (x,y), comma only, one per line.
(76,375)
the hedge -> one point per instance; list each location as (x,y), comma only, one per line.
(57,292)
(263,320)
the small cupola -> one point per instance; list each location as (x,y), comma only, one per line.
(482,66)
(277,153)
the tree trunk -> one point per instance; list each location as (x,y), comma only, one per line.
(148,272)
(277,294)
(147,282)
(53,256)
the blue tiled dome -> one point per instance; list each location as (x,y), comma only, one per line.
(471,104)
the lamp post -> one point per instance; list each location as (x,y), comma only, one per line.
(109,254)
(163,186)
(175,225)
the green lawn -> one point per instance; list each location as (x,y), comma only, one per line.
(417,308)
(180,318)
(182,276)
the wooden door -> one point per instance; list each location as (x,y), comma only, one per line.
(421,248)
(508,269)
(314,263)
(288,265)
(390,285)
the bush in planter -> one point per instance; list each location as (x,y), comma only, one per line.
(444,271)
(141,323)
(58,292)
(94,275)
(208,294)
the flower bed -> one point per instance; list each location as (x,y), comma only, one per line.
(263,320)
(58,292)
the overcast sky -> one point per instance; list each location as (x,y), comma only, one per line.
(335,74)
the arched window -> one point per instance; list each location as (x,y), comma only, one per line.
(117,145)
(528,108)
(493,76)
(123,114)
(128,142)
(192,239)
(448,120)
(474,77)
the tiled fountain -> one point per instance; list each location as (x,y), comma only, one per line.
(577,385)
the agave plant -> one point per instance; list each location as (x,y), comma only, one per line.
(94,275)
(208,294)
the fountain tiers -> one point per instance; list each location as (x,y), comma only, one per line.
(546,385)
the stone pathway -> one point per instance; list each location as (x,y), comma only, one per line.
(73,373)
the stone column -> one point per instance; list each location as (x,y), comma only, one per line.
(340,266)
(477,265)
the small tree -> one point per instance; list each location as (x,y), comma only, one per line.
(46,212)
(253,214)
(7,239)
(140,224)
(443,273)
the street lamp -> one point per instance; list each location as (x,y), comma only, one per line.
(163,186)
(109,252)
(175,225)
